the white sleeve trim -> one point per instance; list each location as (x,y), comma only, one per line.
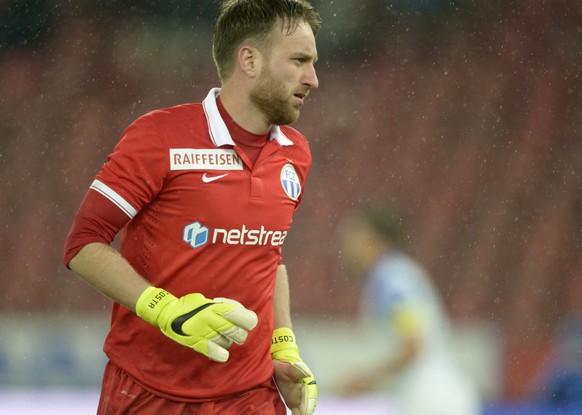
(114,197)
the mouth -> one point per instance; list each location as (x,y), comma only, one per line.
(301,96)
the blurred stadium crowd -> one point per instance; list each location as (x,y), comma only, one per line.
(465,116)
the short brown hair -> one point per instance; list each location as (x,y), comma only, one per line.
(241,20)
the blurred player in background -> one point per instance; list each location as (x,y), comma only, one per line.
(400,304)
(205,195)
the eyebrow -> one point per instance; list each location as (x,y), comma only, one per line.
(306,55)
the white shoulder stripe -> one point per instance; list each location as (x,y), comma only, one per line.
(112,195)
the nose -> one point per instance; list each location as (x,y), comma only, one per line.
(310,77)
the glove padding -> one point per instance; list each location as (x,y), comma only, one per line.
(207,326)
(294,379)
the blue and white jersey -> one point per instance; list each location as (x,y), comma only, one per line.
(434,384)
(396,281)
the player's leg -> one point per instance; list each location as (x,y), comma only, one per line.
(262,400)
(120,395)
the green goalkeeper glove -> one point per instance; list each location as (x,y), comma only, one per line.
(207,326)
(294,379)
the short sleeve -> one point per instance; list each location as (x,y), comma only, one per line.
(136,170)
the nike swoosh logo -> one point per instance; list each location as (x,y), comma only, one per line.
(207,179)
(180,320)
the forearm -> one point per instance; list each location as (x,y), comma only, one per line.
(294,380)
(395,364)
(281,299)
(107,271)
(368,379)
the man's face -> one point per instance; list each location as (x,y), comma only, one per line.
(287,76)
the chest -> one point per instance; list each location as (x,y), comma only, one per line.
(217,187)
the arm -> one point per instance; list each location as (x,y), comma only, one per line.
(407,324)
(368,380)
(393,366)
(281,301)
(210,330)
(108,272)
(294,379)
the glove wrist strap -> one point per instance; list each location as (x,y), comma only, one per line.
(283,339)
(151,302)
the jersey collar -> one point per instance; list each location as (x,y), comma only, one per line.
(219,133)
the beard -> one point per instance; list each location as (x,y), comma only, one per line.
(271,98)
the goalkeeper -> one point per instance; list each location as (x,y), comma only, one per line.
(204,195)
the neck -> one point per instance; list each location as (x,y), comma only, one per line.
(375,252)
(243,112)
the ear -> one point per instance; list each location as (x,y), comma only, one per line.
(249,60)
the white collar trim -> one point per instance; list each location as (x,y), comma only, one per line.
(219,133)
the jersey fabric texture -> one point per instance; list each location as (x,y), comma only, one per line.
(398,288)
(199,217)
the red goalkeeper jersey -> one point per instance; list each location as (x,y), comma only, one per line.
(197,216)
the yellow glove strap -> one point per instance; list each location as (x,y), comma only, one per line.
(151,302)
(284,346)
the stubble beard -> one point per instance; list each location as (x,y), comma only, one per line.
(270,97)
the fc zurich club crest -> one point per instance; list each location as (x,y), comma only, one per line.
(290,181)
